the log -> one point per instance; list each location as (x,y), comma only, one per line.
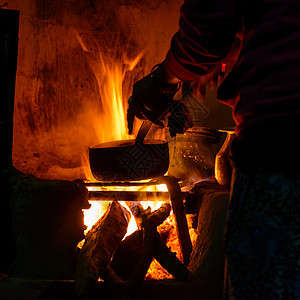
(142,215)
(149,224)
(111,278)
(154,247)
(132,259)
(145,260)
(138,212)
(128,254)
(158,216)
(100,244)
(208,258)
(169,261)
(162,253)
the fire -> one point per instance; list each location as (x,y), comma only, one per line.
(167,229)
(86,167)
(110,124)
(133,63)
(94,213)
(98,208)
(108,119)
(132,227)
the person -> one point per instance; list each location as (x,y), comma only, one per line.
(263,227)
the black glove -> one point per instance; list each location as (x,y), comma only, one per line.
(149,101)
(152,99)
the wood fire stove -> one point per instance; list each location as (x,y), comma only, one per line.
(174,194)
(152,245)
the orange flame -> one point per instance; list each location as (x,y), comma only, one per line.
(98,208)
(86,168)
(108,119)
(110,123)
(134,62)
(91,217)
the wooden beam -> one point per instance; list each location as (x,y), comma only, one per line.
(181,222)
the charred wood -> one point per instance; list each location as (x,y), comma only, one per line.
(138,212)
(149,223)
(111,278)
(169,260)
(100,244)
(128,254)
(158,216)
(148,250)
(144,245)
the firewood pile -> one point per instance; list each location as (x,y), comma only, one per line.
(118,261)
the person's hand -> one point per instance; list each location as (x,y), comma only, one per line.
(147,102)
(152,99)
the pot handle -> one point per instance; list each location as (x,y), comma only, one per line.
(144,129)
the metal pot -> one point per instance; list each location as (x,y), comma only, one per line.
(192,154)
(134,159)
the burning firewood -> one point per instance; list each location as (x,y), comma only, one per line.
(158,216)
(100,244)
(127,256)
(170,262)
(138,212)
(148,249)
(139,249)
